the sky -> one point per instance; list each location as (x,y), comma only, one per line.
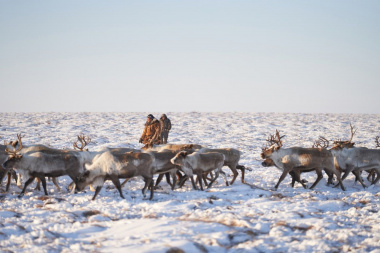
(182,56)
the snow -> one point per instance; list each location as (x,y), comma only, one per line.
(238,218)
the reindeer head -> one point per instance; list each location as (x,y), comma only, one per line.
(268,162)
(179,158)
(14,156)
(275,144)
(345,144)
(81,180)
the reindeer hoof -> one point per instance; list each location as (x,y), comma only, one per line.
(20,195)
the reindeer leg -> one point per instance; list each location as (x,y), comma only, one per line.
(216,177)
(292,174)
(296,177)
(98,188)
(144,188)
(151,190)
(225,177)
(147,184)
(43,180)
(72,187)
(167,176)
(204,178)
(19,181)
(55,182)
(30,180)
(359,178)
(199,179)
(330,177)
(320,176)
(38,187)
(115,180)
(179,176)
(125,181)
(340,182)
(212,175)
(371,173)
(174,176)
(193,183)
(182,181)
(234,170)
(282,177)
(347,172)
(9,179)
(14,175)
(242,168)
(159,179)
(377,176)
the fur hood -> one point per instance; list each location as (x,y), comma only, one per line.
(154,121)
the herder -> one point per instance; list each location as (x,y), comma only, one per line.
(166,125)
(151,133)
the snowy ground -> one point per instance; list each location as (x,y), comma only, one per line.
(238,218)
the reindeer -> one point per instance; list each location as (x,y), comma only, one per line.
(163,166)
(232,157)
(199,163)
(174,149)
(40,162)
(298,160)
(110,166)
(10,173)
(356,159)
(29,150)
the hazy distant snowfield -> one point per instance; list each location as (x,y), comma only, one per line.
(237,218)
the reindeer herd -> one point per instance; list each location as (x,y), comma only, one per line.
(177,161)
(180,162)
(343,157)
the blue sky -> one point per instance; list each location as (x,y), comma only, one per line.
(164,56)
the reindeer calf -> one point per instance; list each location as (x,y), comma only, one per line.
(199,163)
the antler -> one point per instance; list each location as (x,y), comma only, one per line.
(279,142)
(14,151)
(352,132)
(318,144)
(83,140)
(377,141)
(275,139)
(341,143)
